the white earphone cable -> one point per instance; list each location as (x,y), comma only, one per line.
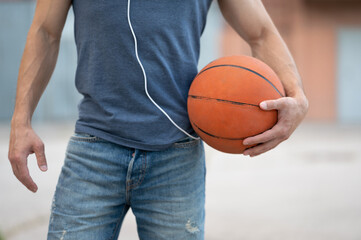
(145,77)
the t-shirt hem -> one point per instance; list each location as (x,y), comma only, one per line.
(118,140)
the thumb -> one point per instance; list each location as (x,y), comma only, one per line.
(39,150)
(272,104)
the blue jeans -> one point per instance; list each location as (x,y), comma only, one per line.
(100,181)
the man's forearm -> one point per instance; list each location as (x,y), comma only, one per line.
(251,21)
(271,49)
(37,65)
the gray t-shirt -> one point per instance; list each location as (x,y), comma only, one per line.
(115,106)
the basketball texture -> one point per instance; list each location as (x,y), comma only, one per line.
(223,101)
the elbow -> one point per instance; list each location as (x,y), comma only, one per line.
(260,36)
(45,34)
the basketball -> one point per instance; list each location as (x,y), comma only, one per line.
(223,101)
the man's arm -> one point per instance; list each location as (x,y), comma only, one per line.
(252,22)
(37,65)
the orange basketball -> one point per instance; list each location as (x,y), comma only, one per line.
(224,98)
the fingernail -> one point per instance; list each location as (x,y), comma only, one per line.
(35,189)
(44,168)
(263,105)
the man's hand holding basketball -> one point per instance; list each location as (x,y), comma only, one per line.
(23,142)
(291,111)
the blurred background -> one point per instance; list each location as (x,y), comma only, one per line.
(307,188)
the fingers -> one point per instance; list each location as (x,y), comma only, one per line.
(270,138)
(290,114)
(261,138)
(266,141)
(261,148)
(279,131)
(24,141)
(39,150)
(21,171)
(274,104)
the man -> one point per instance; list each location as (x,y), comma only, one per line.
(133,145)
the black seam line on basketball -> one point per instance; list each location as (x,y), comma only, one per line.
(222,100)
(236,66)
(211,135)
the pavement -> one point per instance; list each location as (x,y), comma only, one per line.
(308,188)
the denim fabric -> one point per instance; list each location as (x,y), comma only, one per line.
(101,180)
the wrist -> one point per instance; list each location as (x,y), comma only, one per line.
(20,121)
(301,100)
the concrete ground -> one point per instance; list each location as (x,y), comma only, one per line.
(308,188)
